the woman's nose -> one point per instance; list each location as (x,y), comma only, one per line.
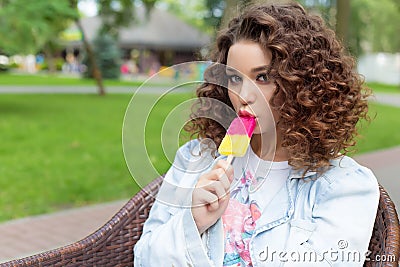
(248,93)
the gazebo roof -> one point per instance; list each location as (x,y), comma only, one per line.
(161,30)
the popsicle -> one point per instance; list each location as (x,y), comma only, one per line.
(237,137)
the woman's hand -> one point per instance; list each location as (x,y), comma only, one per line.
(211,195)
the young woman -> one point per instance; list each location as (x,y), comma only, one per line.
(294,199)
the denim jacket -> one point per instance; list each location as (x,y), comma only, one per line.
(313,221)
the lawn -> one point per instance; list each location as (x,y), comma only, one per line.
(56,79)
(59,80)
(47,79)
(384,88)
(61,151)
(382,131)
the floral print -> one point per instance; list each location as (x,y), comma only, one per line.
(239,220)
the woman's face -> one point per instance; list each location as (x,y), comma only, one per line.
(250,89)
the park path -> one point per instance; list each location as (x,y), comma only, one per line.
(31,235)
(27,236)
(387,98)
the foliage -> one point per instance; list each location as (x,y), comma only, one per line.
(326,8)
(375,26)
(194,13)
(4,68)
(215,11)
(149,4)
(58,62)
(117,13)
(107,56)
(27,25)
(114,14)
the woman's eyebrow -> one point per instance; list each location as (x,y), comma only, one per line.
(261,68)
(229,69)
(256,69)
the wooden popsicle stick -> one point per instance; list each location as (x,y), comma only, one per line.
(229,159)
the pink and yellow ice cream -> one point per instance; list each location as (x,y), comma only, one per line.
(238,137)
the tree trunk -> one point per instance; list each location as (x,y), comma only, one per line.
(95,69)
(48,53)
(342,21)
(231,10)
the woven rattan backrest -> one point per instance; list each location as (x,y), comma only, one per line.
(384,247)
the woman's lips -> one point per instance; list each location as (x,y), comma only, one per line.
(244,113)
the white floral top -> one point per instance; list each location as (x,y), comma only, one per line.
(255,184)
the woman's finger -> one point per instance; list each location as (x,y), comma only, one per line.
(215,175)
(217,188)
(205,197)
(223,164)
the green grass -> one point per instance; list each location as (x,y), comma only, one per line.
(61,151)
(383,130)
(55,79)
(384,88)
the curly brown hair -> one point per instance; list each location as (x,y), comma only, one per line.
(319,95)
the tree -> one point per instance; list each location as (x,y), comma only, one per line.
(89,52)
(114,14)
(232,8)
(107,57)
(27,26)
(32,26)
(195,13)
(362,25)
(215,11)
(375,26)
(342,20)
(117,13)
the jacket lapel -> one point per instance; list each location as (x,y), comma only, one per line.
(281,207)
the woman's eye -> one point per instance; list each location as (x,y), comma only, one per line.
(262,77)
(234,79)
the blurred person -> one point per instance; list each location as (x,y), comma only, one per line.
(30,63)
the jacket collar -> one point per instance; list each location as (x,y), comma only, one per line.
(298,174)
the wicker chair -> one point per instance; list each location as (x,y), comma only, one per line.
(112,245)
